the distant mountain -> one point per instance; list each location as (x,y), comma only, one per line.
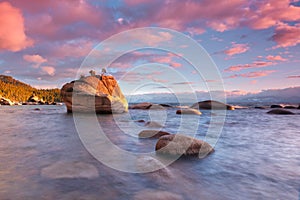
(18,91)
(287,95)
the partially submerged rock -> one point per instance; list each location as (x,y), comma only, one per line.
(152,134)
(94,94)
(146,106)
(4,101)
(177,144)
(276,106)
(153,124)
(290,107)
(70,169)
(143,106)
(188,111)
(212,105)
(280,112)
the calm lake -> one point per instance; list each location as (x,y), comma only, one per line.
(257,156)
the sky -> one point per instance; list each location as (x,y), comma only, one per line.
(255,45)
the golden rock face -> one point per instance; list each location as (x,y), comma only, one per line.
(100,94)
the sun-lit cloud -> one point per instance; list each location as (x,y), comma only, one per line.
(255,64)
(275,58)
(286,35)
(36,59)
(49,70)
(253,74)
(12,29)
(236,49)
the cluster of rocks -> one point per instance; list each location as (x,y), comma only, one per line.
(32,100)
(193,110)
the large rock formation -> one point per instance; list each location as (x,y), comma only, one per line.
(94,94)
(177,144)
(212,105)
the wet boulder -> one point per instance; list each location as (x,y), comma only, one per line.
(177,144)
(290,107)
(152,134)
(276,106)
(280,112)
(212,105)
(188,111)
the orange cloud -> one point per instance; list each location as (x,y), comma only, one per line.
(12,31)
(237,49)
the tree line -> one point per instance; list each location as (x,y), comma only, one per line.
(20,92)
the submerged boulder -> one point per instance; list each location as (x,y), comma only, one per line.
(188,111)
(177,144)
(153,124)
(212,105)
(152,134)
(280,112)
(94,94)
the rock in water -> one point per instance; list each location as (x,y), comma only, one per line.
(4,101)
(177,144)
(212,105)
(152,134)
(276,106)
(142,106)
(188,111)
(280,112)
(94,94)
(290,107)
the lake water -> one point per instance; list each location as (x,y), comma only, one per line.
(41,157)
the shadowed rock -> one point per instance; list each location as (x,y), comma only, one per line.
(259,107)
(212,105)
(4,101)
(70,169)
(142,106)
(290,107)
(188,111)
(152,134)
(276,106)
(280,112)
(94,94)
(153,124)
(177,144)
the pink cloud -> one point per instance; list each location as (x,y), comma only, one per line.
(237,49)
(255,64)
(253,74)
(275,58)
(294,76)
(272,12)
(286,35)
(49,70)
(37,59)
(12,30)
